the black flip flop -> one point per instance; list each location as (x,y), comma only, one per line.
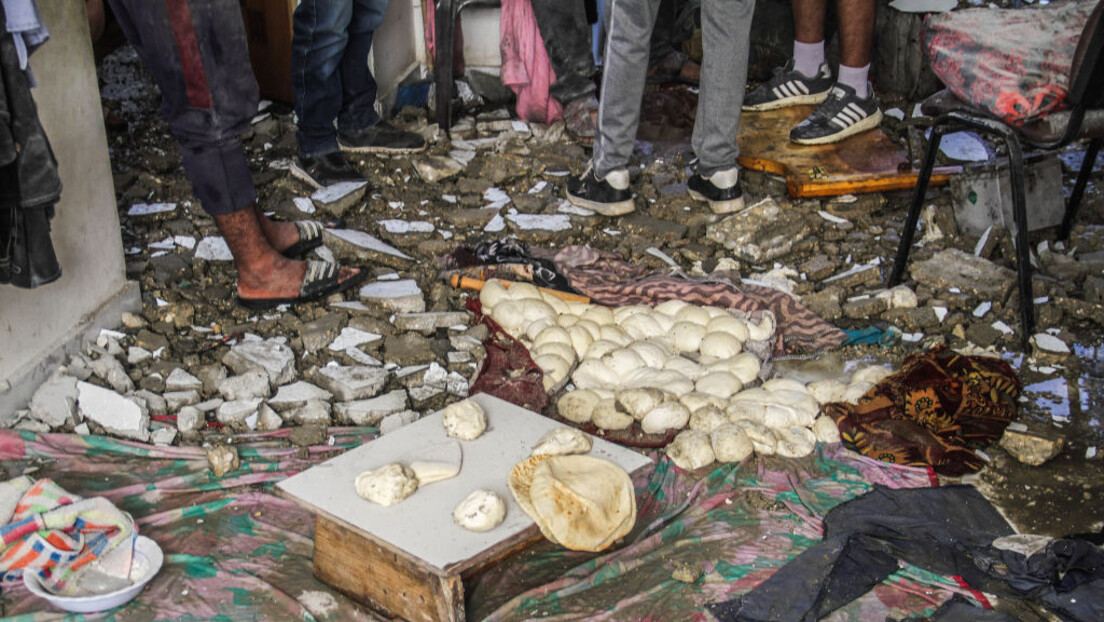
(310,237)
(319,282)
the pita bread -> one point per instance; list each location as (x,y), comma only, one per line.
(580,502)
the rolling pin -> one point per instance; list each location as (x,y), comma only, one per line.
(467,282)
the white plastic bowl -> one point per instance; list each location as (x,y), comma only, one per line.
(147,562)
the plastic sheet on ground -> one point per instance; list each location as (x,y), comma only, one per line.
(235,551)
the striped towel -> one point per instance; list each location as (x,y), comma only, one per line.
(48,530)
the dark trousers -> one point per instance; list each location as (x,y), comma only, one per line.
(329,70)
(566,32)
(197,52)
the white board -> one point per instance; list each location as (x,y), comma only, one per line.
(422,523)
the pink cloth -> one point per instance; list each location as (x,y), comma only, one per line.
(525,65)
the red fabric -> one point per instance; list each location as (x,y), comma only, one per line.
(187,46)
(508,372)
(1012,63)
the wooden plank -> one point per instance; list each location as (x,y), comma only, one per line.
(364,569)
(866,162)
(268,29)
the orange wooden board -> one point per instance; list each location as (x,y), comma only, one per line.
(866,162)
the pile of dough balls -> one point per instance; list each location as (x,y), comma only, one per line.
(782,417)
(676,346)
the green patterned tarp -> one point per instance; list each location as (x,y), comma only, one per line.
(235,551)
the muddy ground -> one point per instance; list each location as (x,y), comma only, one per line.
(1063,395)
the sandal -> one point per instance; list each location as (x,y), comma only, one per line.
(310,238)
(319,281)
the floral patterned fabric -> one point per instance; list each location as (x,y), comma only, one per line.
(934,411)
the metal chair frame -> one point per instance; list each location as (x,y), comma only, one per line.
(1086,92)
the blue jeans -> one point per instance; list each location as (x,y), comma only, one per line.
(329,70)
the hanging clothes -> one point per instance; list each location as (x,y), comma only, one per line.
(29,181)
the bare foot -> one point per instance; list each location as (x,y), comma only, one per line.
(280,234)
(282,279)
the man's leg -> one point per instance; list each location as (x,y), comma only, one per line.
(320,35)
(805,78)
(856,30)
(567,39)
(726,32)
(197,53)
(604,187)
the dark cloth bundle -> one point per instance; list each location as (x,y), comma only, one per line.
(29,182)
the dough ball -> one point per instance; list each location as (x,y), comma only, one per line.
(492,293)
(576,406)
(826,430)
(608,416)
(388,484)
(562,442)
(872,374)
(666,416)
(827,391)
(707,418)
(731,443)
(720,346)
(729,324)
(719,383)
(482,510)
(464,420)
(639,402)
(687,336)
(691,450)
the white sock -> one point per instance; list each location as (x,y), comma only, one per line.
(856,78)
(808,57)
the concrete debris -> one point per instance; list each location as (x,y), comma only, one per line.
(296,395)
(55,401)
(110,370)
(180,380)
(115,413)
(251,384)
(234,413)
(274,358)
(1033,447)
(222,460)
(352,383)
(402,296)
(370,412)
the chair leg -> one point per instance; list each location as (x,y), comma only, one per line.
(445,23)
(1079,188)
(1023,244)
(909,232)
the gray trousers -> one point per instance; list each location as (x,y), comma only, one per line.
(726,28)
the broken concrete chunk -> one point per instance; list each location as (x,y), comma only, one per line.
(110,370)
(351,338)
(274,358)
(267,419)
(352,244)
(313,412)
(113,412)
(760,233)
(371,411)
(163,436)
(55,401)
(403,296)
(339,197)
(397,420)
(297,394)
(435,168)
(234,413)
(211,376)
(900,297)
(954,268)
(189,420)
(428,322)
(1032,447)
(213,248)
(222,460)
(155,404)
(251,384)
(352,383)
(175,400)
(181,380)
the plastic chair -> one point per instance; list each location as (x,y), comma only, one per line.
(1083,119)
(445,14)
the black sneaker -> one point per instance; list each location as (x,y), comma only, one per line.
(608,197)
(722,191)
(325,170)
(843,114)
(788,87)
(381,138)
